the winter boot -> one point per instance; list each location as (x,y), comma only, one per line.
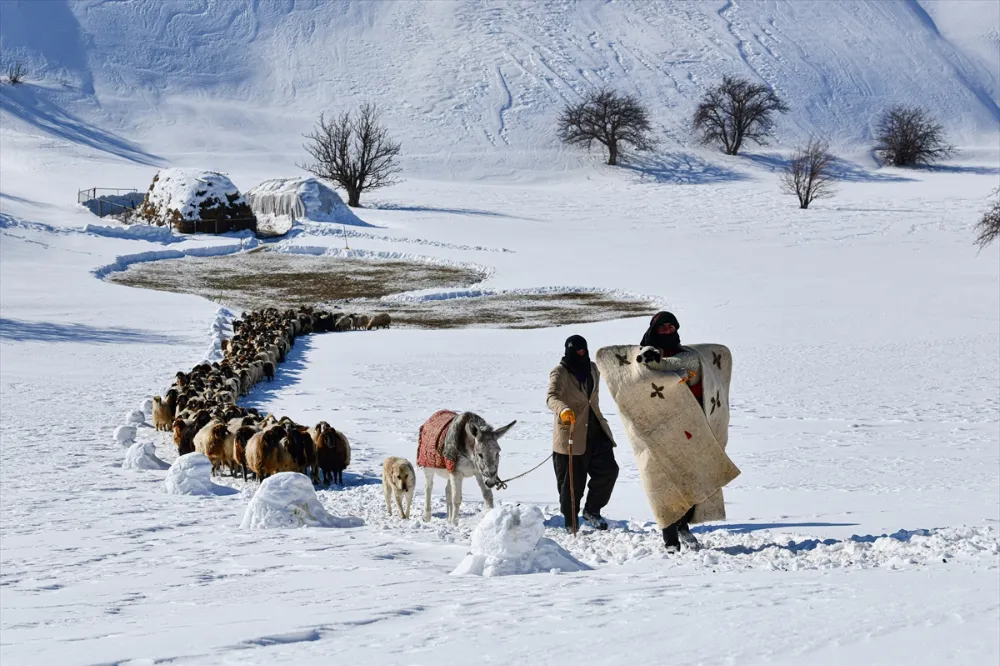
(595,519)
(686,538)
(670,539)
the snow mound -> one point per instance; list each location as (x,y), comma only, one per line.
(135,417)
(301,199)
(142,455)
(122,262)
(125,435)
(183,197)
(221,329)
(146,406)
(510,541)
(287,499)
(191,474)
(144,232)
(271,226)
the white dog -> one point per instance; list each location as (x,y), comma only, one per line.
(398,481)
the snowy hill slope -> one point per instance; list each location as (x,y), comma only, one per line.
(486,79)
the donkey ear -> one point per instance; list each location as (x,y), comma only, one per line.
(473,430)
(500,432)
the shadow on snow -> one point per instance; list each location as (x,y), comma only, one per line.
(746,528)
(840,169)
(25,103)
(43,331)
(285,374)
(681,169)
(446,211)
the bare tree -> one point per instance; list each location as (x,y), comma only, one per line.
(613,119)
(16,72)
(808,174)
(909,136)
(988,227)
(354,151)
(735,111)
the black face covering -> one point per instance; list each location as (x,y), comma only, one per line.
(670,343)
(577,364)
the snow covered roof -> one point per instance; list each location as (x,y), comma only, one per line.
(302,199)
(178,195)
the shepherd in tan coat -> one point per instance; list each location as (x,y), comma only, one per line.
(574,397)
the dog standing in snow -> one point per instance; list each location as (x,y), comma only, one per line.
(398,481)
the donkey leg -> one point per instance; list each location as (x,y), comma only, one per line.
(487,493)
(456,497)
(447,500)
(428,487)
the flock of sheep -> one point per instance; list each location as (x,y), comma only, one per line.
(200,406)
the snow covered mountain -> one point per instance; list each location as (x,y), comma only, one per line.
(485,79)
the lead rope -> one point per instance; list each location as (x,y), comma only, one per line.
(502,485)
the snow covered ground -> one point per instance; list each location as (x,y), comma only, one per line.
(865,334)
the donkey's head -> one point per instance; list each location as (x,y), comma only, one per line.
(485,449)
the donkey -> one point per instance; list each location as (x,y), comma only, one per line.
(456,446)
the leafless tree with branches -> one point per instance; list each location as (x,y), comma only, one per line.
(16,73)
(354,151)
(808,174)
(615,120)
(735,111)
(909,136)
(988,227)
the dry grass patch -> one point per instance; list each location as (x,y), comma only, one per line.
(261,278)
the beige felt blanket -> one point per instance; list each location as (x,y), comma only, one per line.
(678,444)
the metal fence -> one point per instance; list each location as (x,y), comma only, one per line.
(109,200)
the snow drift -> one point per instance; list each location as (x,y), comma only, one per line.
(288,499)
(146,232)
(125,434)
(191,474)
(301,199)
(195,200)
(142,455)
(510,541)
(135,417)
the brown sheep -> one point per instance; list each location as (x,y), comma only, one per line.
(333,452)
(186,429)
(302,450)
(211,441)
(380,320)
(266,453)
(238,455)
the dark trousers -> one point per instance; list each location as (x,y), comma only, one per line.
(597,462)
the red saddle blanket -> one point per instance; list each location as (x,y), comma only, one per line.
(432,441)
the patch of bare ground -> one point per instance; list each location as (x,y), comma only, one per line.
(262,278)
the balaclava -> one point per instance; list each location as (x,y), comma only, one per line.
(577,364)
(670,343)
